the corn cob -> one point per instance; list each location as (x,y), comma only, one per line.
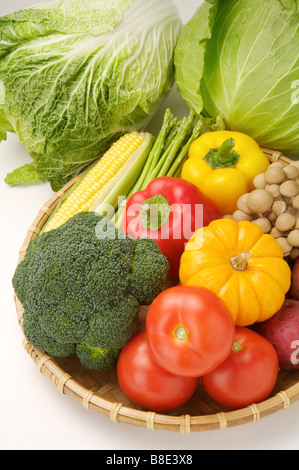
(98,178)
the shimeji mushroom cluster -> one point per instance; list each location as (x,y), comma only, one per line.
(274,205)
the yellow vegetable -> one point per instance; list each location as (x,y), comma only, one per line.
(123,160)
(242,265)
(223,165)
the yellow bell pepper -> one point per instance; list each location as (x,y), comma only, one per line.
(223,165)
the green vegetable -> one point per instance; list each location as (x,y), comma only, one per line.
(95,358)
(75,74)
(167,155)
(239,59)
(82,286)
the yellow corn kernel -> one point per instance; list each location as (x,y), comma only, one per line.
(96,180)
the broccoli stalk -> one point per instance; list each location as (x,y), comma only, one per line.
(82,286)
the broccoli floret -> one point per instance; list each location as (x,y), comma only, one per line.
(109,319)
(36,335)
(146,274)
(94,358)
(84,283)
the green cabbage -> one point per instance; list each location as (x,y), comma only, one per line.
(240,59)
(75,74)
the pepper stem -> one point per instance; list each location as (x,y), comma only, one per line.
(154,212)
(240,262)
(224,156)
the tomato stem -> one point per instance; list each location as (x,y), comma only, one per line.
(237,347)
(181,333)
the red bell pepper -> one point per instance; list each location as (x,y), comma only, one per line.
(169,210)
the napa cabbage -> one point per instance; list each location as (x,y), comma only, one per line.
(75,74)
(240,59)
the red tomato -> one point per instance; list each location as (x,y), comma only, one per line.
(146,383)
(248,375)
(190,331)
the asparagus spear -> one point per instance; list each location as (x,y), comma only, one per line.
(168,153)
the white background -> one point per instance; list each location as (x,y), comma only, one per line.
(33,414)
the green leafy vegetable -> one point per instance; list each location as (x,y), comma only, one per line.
(75,74)
(190,54)
(239,59)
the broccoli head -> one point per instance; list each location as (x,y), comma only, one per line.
(82,286)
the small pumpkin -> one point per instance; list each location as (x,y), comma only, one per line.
(242,265)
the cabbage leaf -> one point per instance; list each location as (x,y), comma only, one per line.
(76,74)
(240,59)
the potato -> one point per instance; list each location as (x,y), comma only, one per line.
(294,291)
(282,330)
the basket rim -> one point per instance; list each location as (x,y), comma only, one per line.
(119,412)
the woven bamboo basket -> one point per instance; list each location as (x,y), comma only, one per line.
(100,392)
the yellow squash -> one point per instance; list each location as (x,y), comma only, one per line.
(242,265)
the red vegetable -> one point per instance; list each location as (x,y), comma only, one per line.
(146,383)
(168,211)
(294,291)
(248,375)
(190,331)
(282,330)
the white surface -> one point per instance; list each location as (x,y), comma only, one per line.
(33,414)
